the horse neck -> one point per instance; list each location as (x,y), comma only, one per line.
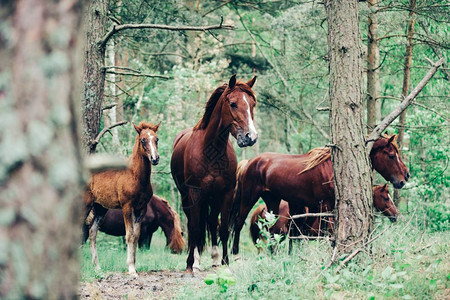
(217,133)
(166,220)
(140,165)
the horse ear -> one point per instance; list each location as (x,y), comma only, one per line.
(391,139)
(138,129)
(156,127)
(384,187)
(232,82)
(251,82)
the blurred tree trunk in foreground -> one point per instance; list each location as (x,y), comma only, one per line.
(40,161)
(352,174)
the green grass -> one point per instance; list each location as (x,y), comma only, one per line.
(404,263)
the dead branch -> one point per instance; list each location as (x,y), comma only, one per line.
(312,215)
(117,28)
(94,143)
(376,133)
(139,74)
(109,106)
(96,163)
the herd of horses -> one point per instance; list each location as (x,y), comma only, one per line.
(205,169)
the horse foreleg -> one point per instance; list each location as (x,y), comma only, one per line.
(248,199)
(224,225)
(132,228)
(213,223)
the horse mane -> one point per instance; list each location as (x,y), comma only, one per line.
(316,156)
(382,141)
(214,98)
(176,239)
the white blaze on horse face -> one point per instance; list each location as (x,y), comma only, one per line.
(251,126)
(152,148)
(196,264)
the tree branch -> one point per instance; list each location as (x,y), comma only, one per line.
(94,143)
(139,74)
(117,28)
(376,133)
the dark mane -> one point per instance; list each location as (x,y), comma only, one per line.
(214,98)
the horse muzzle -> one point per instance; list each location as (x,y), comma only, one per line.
(154,160)
(247,140)
(393,219)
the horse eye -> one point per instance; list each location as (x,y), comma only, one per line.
(391,156)
(143,140)
(157,139)
(233,105)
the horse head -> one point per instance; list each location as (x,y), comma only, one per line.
(148,141)
(383,202)
(387,161)
(238,111)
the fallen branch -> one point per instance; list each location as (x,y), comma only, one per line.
(376,133)
(117,28)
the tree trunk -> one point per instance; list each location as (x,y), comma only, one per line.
(352,174)
(40,159)
(373,77)
(406,83)
(94,73)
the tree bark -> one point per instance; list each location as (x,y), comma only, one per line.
(406,83)
(40,159)
(94,73)
(352,174)
(373,76)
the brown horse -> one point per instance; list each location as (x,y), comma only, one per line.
(159,214)
(382,202)
(128,189)
(204,163)
(303,180)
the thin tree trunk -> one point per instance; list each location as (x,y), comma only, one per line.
(373,76)
(40,161)
(94,73)
(352,174)
(406,84)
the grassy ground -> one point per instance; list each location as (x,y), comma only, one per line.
(404,263)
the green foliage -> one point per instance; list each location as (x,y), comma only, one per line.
(223,278)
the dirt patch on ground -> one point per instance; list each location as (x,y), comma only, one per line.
(149,285)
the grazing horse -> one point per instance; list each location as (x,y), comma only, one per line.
(128,189)
(382,202)
(303,180)
(204,164)
(159,214)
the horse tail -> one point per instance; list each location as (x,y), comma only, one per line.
(237,194)
(254,228)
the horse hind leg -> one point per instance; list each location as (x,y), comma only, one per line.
(99,212)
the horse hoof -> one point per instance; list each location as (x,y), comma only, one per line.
(237,257)
(133,274)
(215,265)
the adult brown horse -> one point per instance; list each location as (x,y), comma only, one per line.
(304,180)
(204,165)
(128,189)
(159,214)
(382,202)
